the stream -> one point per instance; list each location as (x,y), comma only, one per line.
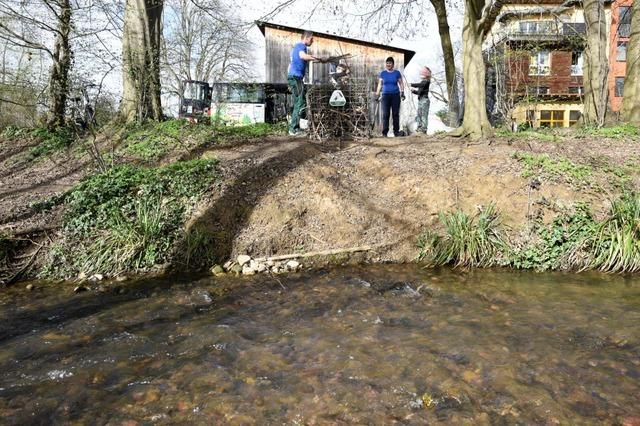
(385,344)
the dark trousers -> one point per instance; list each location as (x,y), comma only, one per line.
(390,102)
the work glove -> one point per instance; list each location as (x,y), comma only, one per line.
(402,96)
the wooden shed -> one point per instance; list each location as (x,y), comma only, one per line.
(366,63)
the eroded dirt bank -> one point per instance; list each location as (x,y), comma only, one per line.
(286,196)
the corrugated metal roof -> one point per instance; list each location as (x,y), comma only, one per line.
(408,54)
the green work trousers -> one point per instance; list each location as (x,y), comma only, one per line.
(296,86)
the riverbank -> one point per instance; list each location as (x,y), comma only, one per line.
(268,194)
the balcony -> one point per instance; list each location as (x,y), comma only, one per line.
(545,33)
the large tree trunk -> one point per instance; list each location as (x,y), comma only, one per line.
(631,99)
(141,52)
(449,62)
(59,77)
(475,123)
(596,70)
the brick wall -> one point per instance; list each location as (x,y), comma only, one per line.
(616,68)
(558,81)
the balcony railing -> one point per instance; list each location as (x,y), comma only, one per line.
(548,33)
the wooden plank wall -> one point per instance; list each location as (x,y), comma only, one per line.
(367,61)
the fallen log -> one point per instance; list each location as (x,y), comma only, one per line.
(313,253)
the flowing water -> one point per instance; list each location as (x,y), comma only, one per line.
(381,345)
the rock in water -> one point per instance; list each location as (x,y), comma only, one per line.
(217,270)
(30,287)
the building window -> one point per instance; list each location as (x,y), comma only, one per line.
(553,118)
(574,116)
(619,87)
(537,27)
(621,51)
(624,21)
(537,90)
(576,90)
(540,63)
(576,63)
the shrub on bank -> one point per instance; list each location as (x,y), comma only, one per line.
(474,241)
(127,218)
(572,241)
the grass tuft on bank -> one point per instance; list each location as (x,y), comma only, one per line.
(473,241)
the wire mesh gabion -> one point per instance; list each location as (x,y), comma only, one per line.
(352,121)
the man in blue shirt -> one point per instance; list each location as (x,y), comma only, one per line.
(391,85)
(295,77)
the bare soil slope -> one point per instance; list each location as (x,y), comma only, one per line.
(287,196)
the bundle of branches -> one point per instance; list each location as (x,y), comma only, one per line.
(353,120)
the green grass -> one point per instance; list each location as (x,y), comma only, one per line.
(252,131)
(615,132)
(541,134)
(574,240)
(131,243)
(127,218)
(615,244)
(198,248)
(474,241)
(153,141)
(557,167)
(51,141)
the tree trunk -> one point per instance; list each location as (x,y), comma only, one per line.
(59,77)
(631,99)
(596,70)
(475,123)
(141,57)
(449,62)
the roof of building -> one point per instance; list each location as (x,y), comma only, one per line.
(408,54)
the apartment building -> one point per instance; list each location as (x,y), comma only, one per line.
(535,51)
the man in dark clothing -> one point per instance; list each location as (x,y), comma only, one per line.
(422,90)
